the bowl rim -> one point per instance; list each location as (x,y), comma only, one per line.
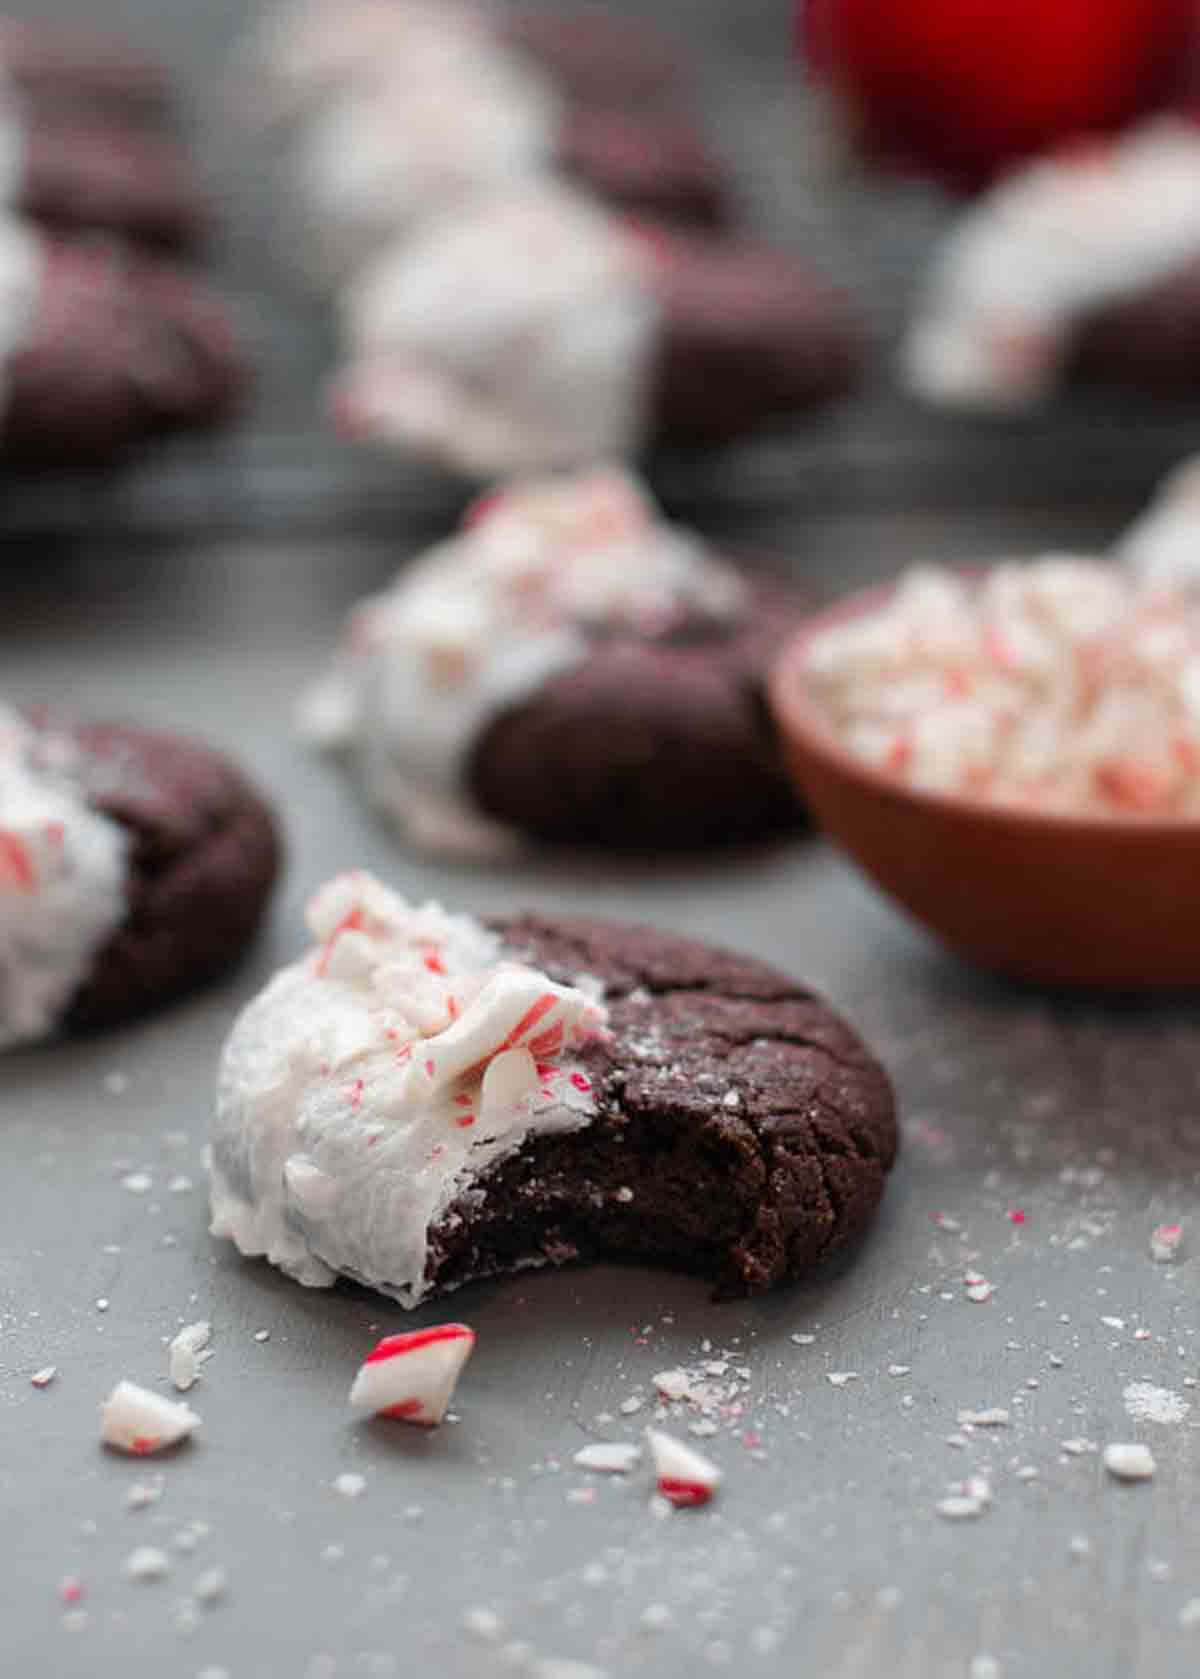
(801,719)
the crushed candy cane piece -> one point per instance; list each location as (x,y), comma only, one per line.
(672,1384)
(182,1354)
(1129,1462)
(132,1419)
(616,1458)
(142,1493)
(980,1291)
(42,1378)
(147,1563)
(969,1499)
(350,1485)
(683,1476)
(1165,1242)
(841,1378)
(994,1417)
(412,1376)
(210,1586)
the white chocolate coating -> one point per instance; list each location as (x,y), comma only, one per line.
(372,1084)
(483,621)
(62,881)
(1162,546)
(1049,245)
(514,333)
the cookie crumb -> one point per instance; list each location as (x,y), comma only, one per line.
(1129,1462)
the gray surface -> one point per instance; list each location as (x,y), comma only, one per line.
(1083,1116)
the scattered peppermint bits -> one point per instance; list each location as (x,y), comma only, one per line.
(182,1364)
(683,1476)
(143,1493)
(42,1378)
(146,1563)
(350,1485)
(412,1376)
(994,1417)
(606,1459)
(978,1289)
(132,1419)
(211,1586)
(1129,1462)
(1165,1242)
(484,1625)
(966,1500)
(672,1384)
(841,1378)
(1147,1402)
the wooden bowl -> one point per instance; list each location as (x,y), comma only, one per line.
(1097,901)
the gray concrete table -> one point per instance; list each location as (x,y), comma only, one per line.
(823,1554)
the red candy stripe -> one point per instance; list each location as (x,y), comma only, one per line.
(395,1346)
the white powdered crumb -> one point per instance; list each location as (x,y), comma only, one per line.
(655,1617)
(210,1586)
(180,1184)
(1189,1615)
(607,1459)
(1078,1447)
(899,1369)
(350,1485)
(142,1493)
(628,1407)
(731,1099)
(971,1498)
(553,1667)
(994,1417)
(115,1084)
(704,1429)
(262,1334)
(1027,1472)
(333,1553)
(42,1378)
(137,1183)
(1145,1402)
(889,1598)
(985,1667)
(624,1195)
(1165,1242)
(841,1378)
(1080,1545)
(102,1305)
(803,1340)
(1129,1462)
(147,1563)
(182,1354)
(1113,1323)
(673,1384)
(214,1673)
(484,1625)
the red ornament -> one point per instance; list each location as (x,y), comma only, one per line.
(961,89)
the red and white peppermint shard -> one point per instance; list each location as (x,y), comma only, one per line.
(683,1477)
(412,1377)
(132,1419)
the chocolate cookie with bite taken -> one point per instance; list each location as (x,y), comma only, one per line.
(424,1100)
(134,867)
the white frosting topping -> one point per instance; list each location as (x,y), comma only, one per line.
(62,881)
(372,1084)
(1049,245)
(386,153)
(307,50)
(22,264)
(1162,547)
(513,333)
(484,620)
